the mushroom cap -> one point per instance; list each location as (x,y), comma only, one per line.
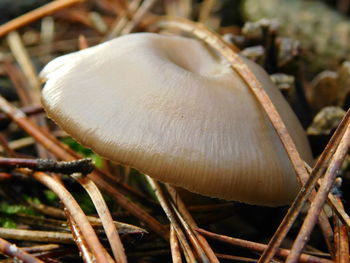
(173,109)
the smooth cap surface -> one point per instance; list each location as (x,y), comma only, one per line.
(171,108)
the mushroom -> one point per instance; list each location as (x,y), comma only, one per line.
(175,110)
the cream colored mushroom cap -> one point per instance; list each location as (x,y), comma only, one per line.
(171,108)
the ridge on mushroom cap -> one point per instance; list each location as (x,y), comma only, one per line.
(172,109)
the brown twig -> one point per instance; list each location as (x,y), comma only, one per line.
(175,247)
(35,15)
(79,240)
(181,8)
(37,236)
(172,218)
(28,110)
(6,147)
(283,253)
(122,20)
(205,10)
(192,224)
(191,236)
(77,166)
(41,248)
(123,228)
(137,17)
(321,196)
(13,251)
(105,216)
(22,57)
(17,79)
(236,259)
(77,214)
(341,239)
(300,200)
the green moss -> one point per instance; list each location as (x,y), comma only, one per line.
(7,222)
(51,196)
(10,209)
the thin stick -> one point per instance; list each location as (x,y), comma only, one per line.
(137,17)
(106,218)
(192,224)
(13,251)
(35,15)
(281,252)
(78,166)
(123,228)
(341,240)
(34,86)
(28,110)
(300,200)
(236,259)
(122,20)
(205,10)
(79,240)
(17,80)
(6,147)
(191,235)
(36,235)
(321,196)
(41,248)
(77,214)
(20,53)
(172,218)
(174,245)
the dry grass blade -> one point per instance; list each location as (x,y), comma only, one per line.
(17,253)
(300,200)
(172,218)
(341,240)
(77,215)
(182,8)
(206,8)
(339,210)
(191,235)
(122,20)
(253,246)
(175,246)
(33,90)
(334,201)
(18,50)
(35,15)
(36,235)
(192,224)
(321,196)
(79,240)
(41,248)
(105,216)
(137,17)
(6,147)
(236,259)
(65,153)
(17,80)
